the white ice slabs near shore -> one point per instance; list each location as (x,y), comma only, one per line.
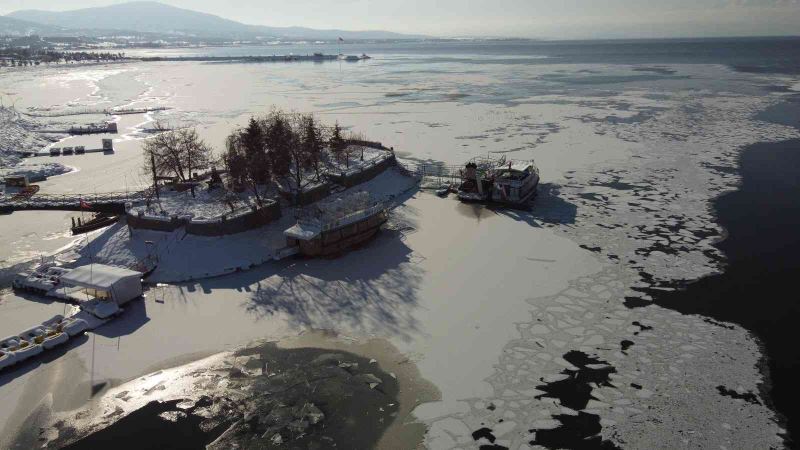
(654,375)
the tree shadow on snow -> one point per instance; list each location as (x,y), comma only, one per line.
(370,289)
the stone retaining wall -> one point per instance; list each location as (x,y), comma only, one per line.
(240,223)
(143,222)
(308,196)
(371,144)
(354,178)
(255,219)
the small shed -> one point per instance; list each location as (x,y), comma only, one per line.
(16,181)
(106,282)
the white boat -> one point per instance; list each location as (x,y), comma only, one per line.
(9,343)
(7,358)
(7,355)
(54,335)
(74,326)
(103,309)
(511,183)
(35,336)
(21,348)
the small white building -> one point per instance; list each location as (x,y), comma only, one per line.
(104,282)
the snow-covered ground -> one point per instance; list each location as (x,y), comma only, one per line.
(179,256)
(204,204)
(17,134)
(354,158)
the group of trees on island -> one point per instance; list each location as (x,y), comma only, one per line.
(20,57)
(288,148)
(282,147)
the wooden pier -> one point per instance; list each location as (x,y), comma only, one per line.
(109,128)
(248,59)
(110,202)
(89,111)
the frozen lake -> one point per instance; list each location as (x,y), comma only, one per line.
(492,307)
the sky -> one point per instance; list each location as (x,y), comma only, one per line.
(555,19)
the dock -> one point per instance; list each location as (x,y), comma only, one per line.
(90,111)
(109,128)
(98,290)
(107,148)
(247,59)
(110,202)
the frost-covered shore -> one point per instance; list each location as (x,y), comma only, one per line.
(18,134)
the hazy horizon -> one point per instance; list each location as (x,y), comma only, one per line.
(577,19)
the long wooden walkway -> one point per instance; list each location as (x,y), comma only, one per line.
(109,202)
(433,170)
(114,202)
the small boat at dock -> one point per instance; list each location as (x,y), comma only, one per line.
(95,223)
(20,348)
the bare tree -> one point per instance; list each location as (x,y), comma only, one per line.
(195,153)
(178,152)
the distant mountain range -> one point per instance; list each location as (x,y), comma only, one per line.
(158,18)
(16,27)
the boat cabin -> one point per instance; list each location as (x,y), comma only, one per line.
(316,239)
(498,181)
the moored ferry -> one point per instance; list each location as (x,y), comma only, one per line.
(499,181)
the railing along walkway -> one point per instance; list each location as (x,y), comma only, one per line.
(72,202)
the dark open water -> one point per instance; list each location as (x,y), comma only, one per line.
(757,289)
